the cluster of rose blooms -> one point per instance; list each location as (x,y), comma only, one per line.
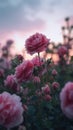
(11,107)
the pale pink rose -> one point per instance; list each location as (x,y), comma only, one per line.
(37,61)
(62,50)
(54,72)
(46,89)
(55,85)
(24,71)
(11,110)
(36,43)
(36,79)
(11,82)
(66,98)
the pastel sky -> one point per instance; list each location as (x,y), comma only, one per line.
(21,18)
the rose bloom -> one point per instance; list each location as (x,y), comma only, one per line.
(24,71)
(20,57)
(66,98)
(55,85)
(11,110)
(37,62)
(46,89)
(54,72)
(47,97)
(11,82)
(62,50)
(36,43)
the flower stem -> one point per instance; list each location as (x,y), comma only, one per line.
(39,57)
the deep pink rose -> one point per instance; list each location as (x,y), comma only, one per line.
(36,43)
(11,82)
(62,50)
(24,71)
(66,97)
(55,85)
(11,110)
(37,62)
(20,57)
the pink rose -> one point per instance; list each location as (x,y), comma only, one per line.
(46,89)
(37,62)
(36,43)
(24,71)
(11,82)
(20,57)
(66,97)
(62,50)
(47,97)
(11,110)
(55,85)
(54,72)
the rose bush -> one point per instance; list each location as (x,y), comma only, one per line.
(37,94)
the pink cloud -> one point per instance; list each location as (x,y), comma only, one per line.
(35,26)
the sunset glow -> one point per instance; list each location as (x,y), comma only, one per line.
(19,41)
(20,19)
